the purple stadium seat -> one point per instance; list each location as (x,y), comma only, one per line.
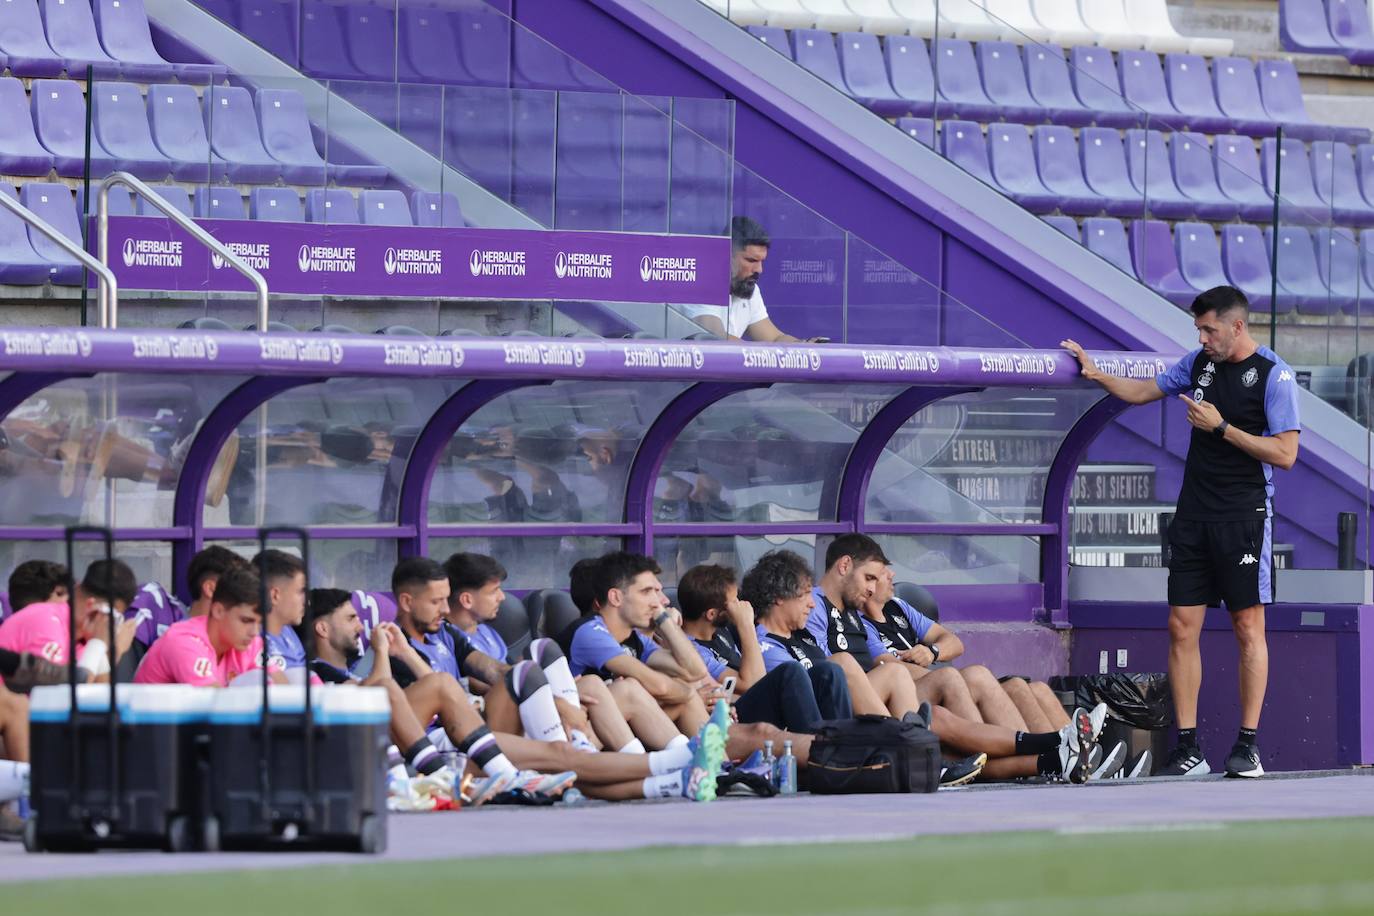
(1004,79)
(434,209)
(1106,238)
(484,41)
(1104,169)
(1147,162)
(479,136)
(20,265)
(1238,96)
(1156,261)
(233,128)
(1366,298)
(120,121)
(1364,171)
(815,50)
(121,202)
(960,85)
(536,64)
(324,47)
(1238,174)
(286,135)
(1195,173)
(53,204)
(1246,259)
(1297,269)
(370,39)
(861,57)
(273,24)
(70,28)
(384,208)
(59,118)
(1013,168)
(219,203)
(1047,75)
(276,205)
(427,39)
(772,36)
(126,37)
(1191,92)
(591,158)
(1303,27)
(1061,170)
(1338,264)
(908,69)
(1065,224)
(20,151)
(1199,258)
(1142,83)
(922,130)
(1278,82)
(961,142)
(1298,195)
(1099,88)
(1349,22)
(331,205)
(173,194)
(1333,174)
(23,43)
(647,129)
(179,132)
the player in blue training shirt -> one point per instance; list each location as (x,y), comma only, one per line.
(1242,402)
(474,600)
(284,577)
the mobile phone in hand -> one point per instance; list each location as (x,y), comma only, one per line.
(728,685)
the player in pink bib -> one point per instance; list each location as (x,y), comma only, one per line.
(213,649)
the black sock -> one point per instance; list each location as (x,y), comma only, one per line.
(1247,736)
(9,662)
(424,757)
(1049,764)
(1038,743)
(1187,737)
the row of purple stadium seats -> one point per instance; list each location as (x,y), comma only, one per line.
(249,139)
(28,258)
(46,37)
(461,42)
(1047,169)
(996,83)
(1327,27)
(1320,272)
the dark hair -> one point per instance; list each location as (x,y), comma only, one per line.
(112,580)
(277,564)
(702,588)
(858,547)
(468,572)
(777,576)
(212,562)
(582,584)
(33,581)
(1219,299)
(746,231)
(619,569)
(416,571)
(321,602)
(238,585)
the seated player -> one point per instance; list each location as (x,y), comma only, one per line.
(789,695)
(284,576)
(158,609)
(779,587)
(214,649)
(475,597)
(610,776)
(36,582)
(629,598)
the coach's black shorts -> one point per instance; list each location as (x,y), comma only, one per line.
(1214,562)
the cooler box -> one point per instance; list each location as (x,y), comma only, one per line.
(325,788)
(86,797)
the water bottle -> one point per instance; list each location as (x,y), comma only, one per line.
(772,764)
(787,771)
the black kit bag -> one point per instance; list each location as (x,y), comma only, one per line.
(873,754)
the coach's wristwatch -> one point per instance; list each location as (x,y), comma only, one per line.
(1220,429)
(934,653)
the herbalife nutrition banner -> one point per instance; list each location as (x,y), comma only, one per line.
(154,253)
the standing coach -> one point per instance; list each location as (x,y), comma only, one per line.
(1242,402)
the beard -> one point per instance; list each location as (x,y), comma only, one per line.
(743,287)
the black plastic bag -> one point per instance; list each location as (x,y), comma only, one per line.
(1139,700)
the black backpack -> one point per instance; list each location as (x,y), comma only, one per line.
(870,754)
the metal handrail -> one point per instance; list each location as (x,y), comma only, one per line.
(182,220)
(108,290)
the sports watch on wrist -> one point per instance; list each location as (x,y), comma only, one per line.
(1220,429)
(662,616)
(934,653)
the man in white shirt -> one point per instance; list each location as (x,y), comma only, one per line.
(745,318)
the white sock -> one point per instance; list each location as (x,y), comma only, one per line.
(14,780)
(561,680)
(634,747)
(677,741)
(667,785)
(670,759)
(540,717)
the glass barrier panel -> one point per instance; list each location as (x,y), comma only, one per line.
(531,562)
(151,561)
(963,559)
(348,564)
(676,555)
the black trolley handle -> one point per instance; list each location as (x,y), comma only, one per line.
(71,535)
(308,742)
